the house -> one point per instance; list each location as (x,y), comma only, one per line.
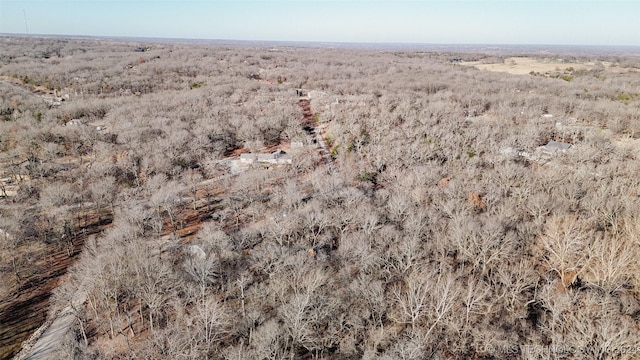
(73,122)
(551,149)
(541,154)
(556,146)
(278,157)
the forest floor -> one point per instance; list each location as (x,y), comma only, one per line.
(24,310)
(45,337)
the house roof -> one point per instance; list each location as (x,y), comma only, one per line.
(279,154)
(556,145)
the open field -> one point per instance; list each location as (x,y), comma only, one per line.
(548,67)
(171,200)
(526,65)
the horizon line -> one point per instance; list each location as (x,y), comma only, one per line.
(312,42)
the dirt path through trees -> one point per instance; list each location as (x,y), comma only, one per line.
(310,126)
(47,345)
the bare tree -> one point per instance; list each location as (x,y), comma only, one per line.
(152,278)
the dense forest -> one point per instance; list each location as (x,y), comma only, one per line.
(427,209)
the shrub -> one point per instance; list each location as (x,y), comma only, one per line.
(196,84)
(334,151)
(626,97)
(566,77)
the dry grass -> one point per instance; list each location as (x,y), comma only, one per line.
(525,65)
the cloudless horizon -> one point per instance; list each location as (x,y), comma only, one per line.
(562,22)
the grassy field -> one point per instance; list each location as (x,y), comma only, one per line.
(526,65)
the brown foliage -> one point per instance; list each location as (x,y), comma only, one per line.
(476,200)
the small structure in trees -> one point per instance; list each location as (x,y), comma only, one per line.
(550,150)
(554,147)
(542,153)
(277,157)
(297,144)
(73,122)
(514,151)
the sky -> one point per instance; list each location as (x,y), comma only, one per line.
(548,22)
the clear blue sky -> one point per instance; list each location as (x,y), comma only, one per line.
(588,22)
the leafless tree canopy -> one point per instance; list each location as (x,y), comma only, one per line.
(421,216)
